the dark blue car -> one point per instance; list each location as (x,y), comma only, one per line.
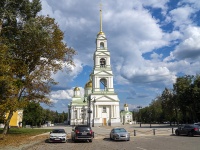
(188,129)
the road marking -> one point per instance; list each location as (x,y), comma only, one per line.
(141,148)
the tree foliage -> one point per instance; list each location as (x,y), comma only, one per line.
(35,115)
(33,49)
(180,104)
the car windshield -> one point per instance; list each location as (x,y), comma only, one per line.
(81,129)
(119,130)
(58,131)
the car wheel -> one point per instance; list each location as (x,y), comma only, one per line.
(177,133)
(114,138)
(90,140)
(110,137)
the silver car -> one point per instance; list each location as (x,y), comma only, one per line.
(119,134)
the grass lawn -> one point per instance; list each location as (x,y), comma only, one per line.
(17,136)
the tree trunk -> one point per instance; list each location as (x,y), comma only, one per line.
(7,122)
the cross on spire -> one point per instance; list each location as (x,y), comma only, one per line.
(101,31)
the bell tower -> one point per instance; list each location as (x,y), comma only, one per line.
(102,72)
(103,99)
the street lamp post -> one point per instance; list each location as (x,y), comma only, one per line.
(83,114)
(75,115)
(150,114)
(93,111)
(139,107)
(89,108)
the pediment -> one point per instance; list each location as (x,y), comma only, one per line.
(102,54)
(105,98)
(103,72)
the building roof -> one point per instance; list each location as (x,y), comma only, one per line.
(88,84)
(76,89)
(125,112)
(125,105)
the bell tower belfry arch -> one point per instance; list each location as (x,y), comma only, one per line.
(105,108)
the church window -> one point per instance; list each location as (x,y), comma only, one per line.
(102,62)
(104,109)
(101,45)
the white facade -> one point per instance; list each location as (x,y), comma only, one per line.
(102,103)
(126,116)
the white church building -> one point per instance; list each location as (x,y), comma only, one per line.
(100,104)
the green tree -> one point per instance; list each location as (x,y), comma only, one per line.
(33,114)
(169,106)
(183,91)
(35,50)
(155,109)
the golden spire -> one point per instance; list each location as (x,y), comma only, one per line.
(101,31)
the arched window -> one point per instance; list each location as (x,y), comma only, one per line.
(102,62)
(103,84)
(101,45)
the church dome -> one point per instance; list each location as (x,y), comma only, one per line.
(76,89)
(125,105)
(88,84)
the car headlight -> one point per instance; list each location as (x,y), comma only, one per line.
(117,135)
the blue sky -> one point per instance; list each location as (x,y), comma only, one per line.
(151,43)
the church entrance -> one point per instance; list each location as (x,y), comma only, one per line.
(104,122)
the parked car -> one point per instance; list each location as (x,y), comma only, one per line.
(188,129)
(82,133)
(119,134)
(58,135)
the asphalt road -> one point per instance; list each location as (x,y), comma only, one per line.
(144,140)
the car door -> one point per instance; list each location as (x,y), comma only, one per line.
(186,129)
(181,129)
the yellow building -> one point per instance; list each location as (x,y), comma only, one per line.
(16,120)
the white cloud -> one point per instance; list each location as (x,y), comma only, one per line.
(61,94)
(155,3)
(66,76)
(181,16)
(189,48)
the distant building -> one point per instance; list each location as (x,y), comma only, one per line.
(126,115)
(16,120)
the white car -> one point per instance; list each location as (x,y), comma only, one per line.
(58,135)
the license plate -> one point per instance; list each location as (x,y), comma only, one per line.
(84,133)
(57,139)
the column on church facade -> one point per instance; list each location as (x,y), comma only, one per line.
(96,82)
(72,113)
(97,114)
(115,111)
(112,110)
(111,85)
(78,113)
(108,82)
(97,62)
(108,61)
(95,111)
